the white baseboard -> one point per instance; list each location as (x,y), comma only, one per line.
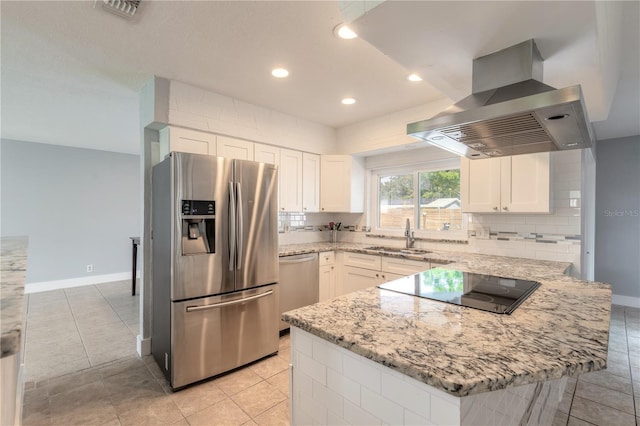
(75,282)
(633,302)
(143,346)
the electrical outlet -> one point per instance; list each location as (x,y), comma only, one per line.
(89,268)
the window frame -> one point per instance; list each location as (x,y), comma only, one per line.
(431,166)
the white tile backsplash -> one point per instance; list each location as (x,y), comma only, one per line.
(312,368)
(330,358)
(389,411)
(344,386)
(366,375)
(355,415)
(564,221)
(410,397)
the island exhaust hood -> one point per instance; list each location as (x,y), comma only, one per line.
(510,112)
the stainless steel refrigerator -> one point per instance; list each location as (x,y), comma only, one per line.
(215,265)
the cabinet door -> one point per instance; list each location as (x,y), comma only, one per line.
(341,184)
(266,154)
(480,185)
(327,282)
(290,180)
(525,183)
(355,279)
(310,182)
(235,148)
(385,277)
(186,140)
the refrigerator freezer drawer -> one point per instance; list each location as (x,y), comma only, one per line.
(213,335)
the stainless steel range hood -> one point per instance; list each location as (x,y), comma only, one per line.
(510,112)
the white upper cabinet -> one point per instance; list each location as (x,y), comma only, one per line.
(266,154)
(515,184)
(235,148)
(341,184)
(310,182)
(525,183)
(186,140)
(480,185)
(290,180)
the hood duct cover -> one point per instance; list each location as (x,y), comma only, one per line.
(510,111)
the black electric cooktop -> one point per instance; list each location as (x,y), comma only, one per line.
(486,292)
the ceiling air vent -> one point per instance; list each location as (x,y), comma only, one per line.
(124,8)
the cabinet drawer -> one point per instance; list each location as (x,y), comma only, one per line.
(367,261)
(403,266)
(327,258)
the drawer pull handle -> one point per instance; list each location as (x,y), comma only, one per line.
(229,303)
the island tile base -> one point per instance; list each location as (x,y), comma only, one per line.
(331,385)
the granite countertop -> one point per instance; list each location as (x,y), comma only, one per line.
(562,329)
(13,269)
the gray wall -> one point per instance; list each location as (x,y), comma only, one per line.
(617,248)
(77,206)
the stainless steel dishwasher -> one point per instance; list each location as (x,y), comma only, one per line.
(298,282)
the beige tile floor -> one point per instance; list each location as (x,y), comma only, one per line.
(81,369)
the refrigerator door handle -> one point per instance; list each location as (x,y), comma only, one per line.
(240,226)
(232,226)
(231,302)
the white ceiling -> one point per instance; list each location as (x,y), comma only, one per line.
(71,72)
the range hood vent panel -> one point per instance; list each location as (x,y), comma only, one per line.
(518,118)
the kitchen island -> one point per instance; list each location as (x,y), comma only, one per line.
(376,356)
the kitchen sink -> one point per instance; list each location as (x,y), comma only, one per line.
(398,250)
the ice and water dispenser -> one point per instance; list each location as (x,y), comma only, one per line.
(198,227)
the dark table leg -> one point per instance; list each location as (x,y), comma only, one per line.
(134,268)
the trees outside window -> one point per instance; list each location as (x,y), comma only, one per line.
(431,199)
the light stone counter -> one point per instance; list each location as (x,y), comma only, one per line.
(560,330)
(13,269)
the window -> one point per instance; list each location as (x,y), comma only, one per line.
(428,195)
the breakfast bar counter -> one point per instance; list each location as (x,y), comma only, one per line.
(386,357)
(13,269)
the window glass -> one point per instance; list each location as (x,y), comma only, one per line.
(396,200)
(440,201)
(430,199)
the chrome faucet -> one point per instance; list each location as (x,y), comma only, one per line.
(408,233)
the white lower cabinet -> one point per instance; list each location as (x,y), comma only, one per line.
(327,276)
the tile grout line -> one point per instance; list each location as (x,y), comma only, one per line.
(115,310)
(75,322)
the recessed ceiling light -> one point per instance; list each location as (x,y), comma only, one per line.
(348,101)
(414,77)
(342,31)
(279,72)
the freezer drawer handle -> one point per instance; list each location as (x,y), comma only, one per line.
(298,260)
(231,302)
